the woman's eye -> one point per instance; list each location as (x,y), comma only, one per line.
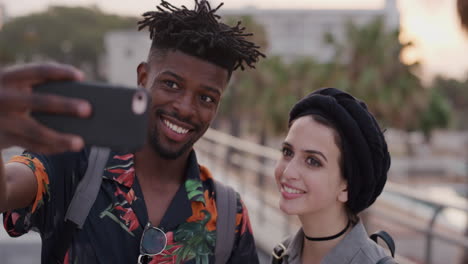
(313,162)
(171,84)
(286,152)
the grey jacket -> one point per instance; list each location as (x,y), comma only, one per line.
(355,248)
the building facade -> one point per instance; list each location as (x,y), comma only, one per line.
(291,34)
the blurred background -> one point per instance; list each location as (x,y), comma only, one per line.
(407,59)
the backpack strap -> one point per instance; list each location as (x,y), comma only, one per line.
(386,238)
(82,201)
(278,254)
(279,251)
(226,205)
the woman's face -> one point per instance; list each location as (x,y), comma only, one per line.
(308,173)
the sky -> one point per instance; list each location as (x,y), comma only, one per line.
(431,25)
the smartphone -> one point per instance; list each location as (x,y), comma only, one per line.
(119,117)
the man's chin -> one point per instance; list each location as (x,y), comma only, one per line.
(169,154)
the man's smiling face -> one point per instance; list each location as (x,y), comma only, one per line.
(185,92)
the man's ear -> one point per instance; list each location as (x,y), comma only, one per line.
(142,74)
(343,194)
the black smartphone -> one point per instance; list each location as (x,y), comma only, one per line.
(119,118)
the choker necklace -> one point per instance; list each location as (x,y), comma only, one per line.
(328,237)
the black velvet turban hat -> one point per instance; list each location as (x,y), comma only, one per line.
(364,151)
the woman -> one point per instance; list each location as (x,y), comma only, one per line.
(334,165)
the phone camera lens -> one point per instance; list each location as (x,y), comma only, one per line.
(139,103)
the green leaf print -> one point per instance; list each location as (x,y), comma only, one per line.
(195,193)
(120,166)
(31,165)
(192,185)
(195,190)
(198,243)
(115,219)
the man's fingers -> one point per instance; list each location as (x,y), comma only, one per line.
(16,102)
(33,145)
(29,131)
(17,99)
(37,73)
(60,105)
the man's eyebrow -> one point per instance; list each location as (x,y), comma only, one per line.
(173,74)
(212,89)
(310,151)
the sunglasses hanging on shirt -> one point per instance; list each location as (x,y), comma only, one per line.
(153,242)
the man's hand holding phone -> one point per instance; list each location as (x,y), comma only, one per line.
(17,101)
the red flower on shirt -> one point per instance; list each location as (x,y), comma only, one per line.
(168,255)
(244,218)
(126,176)
(130,196)
(14,218)
(129,217)
(123,157)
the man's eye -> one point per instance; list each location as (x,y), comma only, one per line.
(207,99)
(313,162)
(171,84)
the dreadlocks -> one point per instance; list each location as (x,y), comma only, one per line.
(199,33)
(462,8)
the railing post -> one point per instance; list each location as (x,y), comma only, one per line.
(429,234)
(261,195)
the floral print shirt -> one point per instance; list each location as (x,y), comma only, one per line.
(115,224)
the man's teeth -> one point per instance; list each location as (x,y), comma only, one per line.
(291,190)
(176,128)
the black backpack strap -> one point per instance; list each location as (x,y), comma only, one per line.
(82,201)
(226,205)
(386,238)
(278,253)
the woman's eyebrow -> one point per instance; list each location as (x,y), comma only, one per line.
(315,152)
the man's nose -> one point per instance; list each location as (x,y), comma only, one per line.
(185,105)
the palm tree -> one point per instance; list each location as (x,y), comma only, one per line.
(243,87)
(368,65)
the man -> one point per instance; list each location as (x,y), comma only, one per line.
(462,8)
(161,189)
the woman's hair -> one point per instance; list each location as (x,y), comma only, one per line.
(199,33)
(365,159)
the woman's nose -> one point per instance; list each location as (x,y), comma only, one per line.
(290,171)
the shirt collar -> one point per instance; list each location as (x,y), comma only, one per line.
(193,183)
(341,253)
(120,168)
(349,246)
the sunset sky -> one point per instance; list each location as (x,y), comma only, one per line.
(440,44)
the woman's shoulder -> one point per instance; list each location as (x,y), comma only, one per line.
(289,250)
(370,252)
(356,248)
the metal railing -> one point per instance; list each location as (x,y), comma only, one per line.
(253,166)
